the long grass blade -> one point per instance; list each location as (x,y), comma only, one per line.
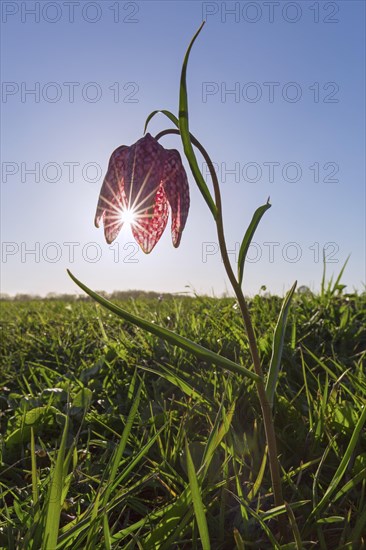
(170,521)
(93,524)
(122,445)
(34,477)
(198,506)
(168,335)
(359,529)
(351,484)
(277,346)
(239,543)
(336,285)
(258,482)
(136,459)
(341,468)
(112,475)
(217,434)
(54,497)
(294,527)
(322,285)
(173,378)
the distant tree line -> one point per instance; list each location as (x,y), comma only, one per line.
(115,295)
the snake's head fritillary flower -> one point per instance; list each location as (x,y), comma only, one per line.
(141,183)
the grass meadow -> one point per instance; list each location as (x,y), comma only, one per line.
(112,438)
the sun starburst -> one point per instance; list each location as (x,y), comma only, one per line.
(128,216)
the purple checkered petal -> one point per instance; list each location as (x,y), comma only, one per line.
(151,223)
(146,179)
(177,192)
(111,194)
(144,169)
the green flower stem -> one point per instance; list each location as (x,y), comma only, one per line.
(264,403)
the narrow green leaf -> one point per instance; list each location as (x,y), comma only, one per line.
(170,521)
(336,284)
(277,346)
(342,466)
(240,497)
(278,510)
(89,545)
(134,460)
(265,527)
(217,434)
(182,527)
(54,497)
(351,484)
(322,286)
(170,115)
(294,527)
(308,394)
(107,533)
(198,507)
(318,471)
(258,482)
(122,445)
(359,529)
(238,540)
(184,131)
(117,457)
(257,216)
(168,335)
(173,378)
(34,477)
(330,519)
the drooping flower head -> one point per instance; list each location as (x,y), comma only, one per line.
(141,182)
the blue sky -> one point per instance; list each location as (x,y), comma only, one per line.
(276,96)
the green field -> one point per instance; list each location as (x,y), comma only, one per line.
(134,443)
